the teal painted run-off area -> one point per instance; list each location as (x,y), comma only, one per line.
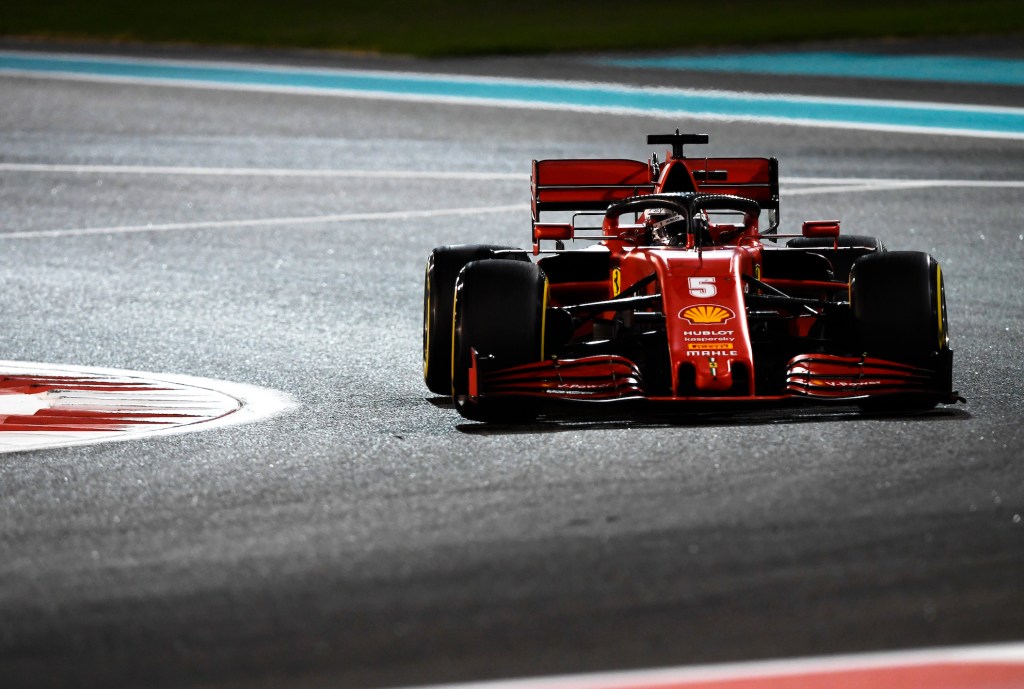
(865,114)
(970,70)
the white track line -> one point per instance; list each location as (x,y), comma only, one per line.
(463,175)
(260,172)
(983,183)
(264,222)
(848,184)
(78,169)
(856,188)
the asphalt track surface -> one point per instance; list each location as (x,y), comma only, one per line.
(374,538)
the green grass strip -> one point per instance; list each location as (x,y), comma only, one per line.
(477,27)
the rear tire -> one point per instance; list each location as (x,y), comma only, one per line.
(499,312)
(846,241)
(851,248)
(443,268)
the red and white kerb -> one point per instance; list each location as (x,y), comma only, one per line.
(48,405)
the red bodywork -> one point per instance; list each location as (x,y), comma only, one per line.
(705,292)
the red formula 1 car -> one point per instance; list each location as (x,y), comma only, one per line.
(681,299)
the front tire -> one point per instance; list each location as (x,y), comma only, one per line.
(899,306)
(499,313)
(899,311)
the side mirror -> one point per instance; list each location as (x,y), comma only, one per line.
(559,232)
(821,228)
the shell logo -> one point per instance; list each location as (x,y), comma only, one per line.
(702,314)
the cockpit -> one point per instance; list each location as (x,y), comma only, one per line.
(685,219)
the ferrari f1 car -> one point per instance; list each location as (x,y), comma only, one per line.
(680,298)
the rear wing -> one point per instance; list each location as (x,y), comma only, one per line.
(593,184)
(587,185)
(756,179)
(581,185)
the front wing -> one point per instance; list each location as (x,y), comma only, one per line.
(811,377)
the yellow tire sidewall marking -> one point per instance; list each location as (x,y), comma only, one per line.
(943,337)
(426,321)
(543,318)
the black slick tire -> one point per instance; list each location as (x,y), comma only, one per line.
(850,248)
(499,313)
(898,305)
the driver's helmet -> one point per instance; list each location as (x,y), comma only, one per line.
(659,221)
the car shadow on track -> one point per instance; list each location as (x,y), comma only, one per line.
(560,421)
